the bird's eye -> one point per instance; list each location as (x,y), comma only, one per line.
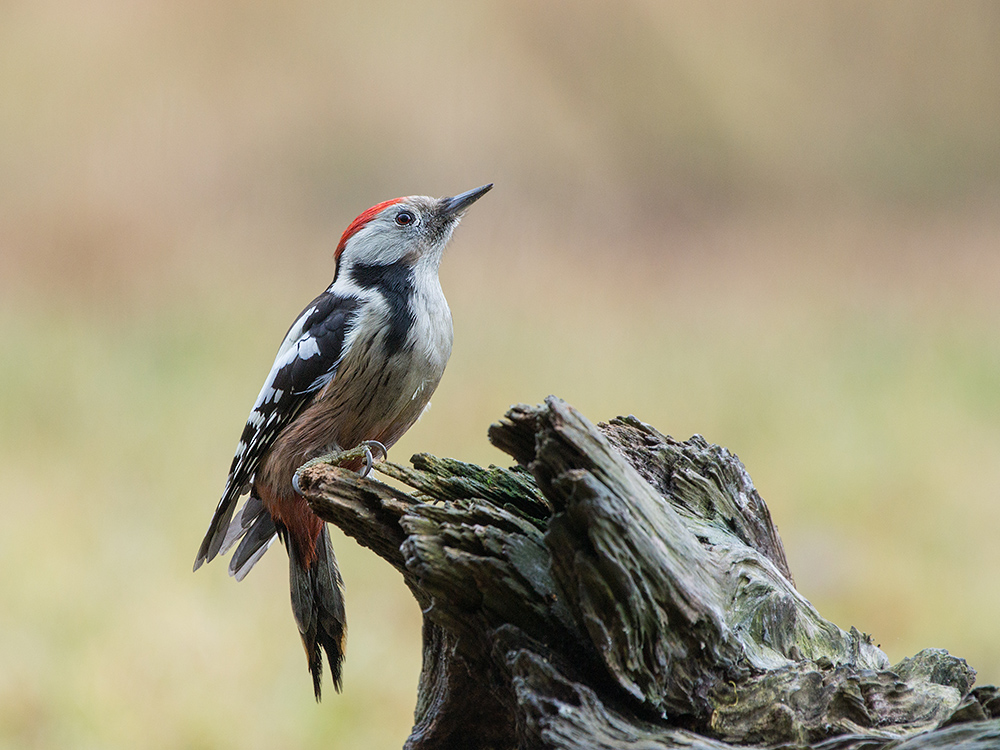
(404,218)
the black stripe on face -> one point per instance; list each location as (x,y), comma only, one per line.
(394,281)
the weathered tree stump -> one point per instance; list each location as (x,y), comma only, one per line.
(619,588)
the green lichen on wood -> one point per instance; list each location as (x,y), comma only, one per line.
(619,588)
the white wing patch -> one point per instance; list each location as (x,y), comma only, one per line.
(307,348)
(294,333)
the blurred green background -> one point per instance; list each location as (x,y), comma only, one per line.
(775,224)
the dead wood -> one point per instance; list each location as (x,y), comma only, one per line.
(619,588)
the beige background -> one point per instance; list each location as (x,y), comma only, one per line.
(775,224)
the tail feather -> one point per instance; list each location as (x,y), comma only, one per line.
(219,526)
(258,530)
(318,606)
(242,520)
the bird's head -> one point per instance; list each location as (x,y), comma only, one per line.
(413,230)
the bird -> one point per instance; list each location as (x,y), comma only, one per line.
(355,370)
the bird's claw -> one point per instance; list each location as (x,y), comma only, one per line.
(381,448)
(369,458)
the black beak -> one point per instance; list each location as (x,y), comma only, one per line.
(454,207)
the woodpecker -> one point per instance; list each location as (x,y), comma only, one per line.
(356,368)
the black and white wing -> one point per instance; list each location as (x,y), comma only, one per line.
(306,362)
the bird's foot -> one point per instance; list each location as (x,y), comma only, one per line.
(362,451)
(368,446)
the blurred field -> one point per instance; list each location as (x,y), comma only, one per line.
(776,225)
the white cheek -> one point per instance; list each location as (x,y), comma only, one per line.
(369,245)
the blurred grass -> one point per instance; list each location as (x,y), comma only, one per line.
(774,225)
